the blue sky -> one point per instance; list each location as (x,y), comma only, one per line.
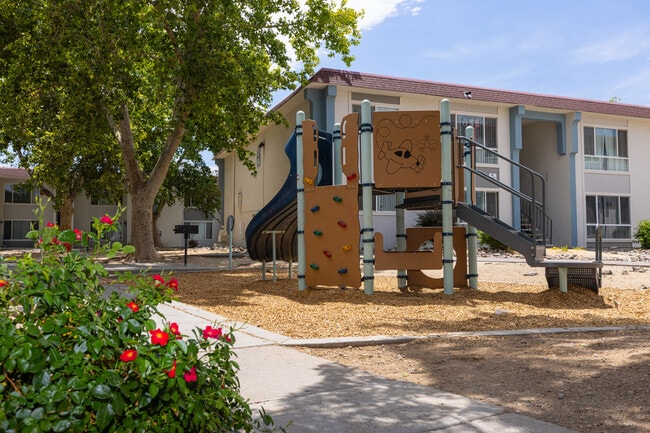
(591,49)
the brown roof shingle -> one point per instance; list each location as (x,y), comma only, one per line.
(445,90)
(13,173)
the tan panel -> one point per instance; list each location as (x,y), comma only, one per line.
(412,259)
(332,237)
(310,153)
(406,149)
(416,236)
(350,149)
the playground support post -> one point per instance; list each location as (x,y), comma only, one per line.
(367,230)
(400,230)
(300,187)
(447,202)
(472,249)
(338,162)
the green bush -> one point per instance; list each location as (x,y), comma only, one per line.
(642,233)
(429,218)
(75,359)
(492,243)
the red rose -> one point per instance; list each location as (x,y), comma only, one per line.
(190,376)
(159,337)
(129,355)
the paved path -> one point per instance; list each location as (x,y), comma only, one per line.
(316,395)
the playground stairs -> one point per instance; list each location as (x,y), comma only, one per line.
(578,272)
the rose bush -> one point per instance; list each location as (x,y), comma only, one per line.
(78,357)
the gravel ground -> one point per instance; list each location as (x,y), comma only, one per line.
(587,381)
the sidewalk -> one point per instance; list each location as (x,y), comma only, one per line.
(317,395)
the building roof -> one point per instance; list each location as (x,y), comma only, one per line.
(432,88)
(13,173)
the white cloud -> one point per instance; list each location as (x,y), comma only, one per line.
(614,48)
(377,11)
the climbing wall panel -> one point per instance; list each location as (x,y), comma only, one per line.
(332,237)
(406,149)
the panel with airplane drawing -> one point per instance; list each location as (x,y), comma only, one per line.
(406,149)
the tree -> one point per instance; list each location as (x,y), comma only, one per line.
(168,72)
(191,182)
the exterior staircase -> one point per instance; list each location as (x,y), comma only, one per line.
(535,233)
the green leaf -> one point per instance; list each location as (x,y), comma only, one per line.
(101,392)
(67,236)
(61,425)
(118,403)
(116,246)
(153,390)
(105,416)
(128,249)
(32,330)
(32,234)
(81,347)
(41,379)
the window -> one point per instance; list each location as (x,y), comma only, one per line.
(356,108)
(16,194)
(205,230)
(485,133)
(613,215)
(605,149)
(380,203)
(488,201)
(258,155)
(17,230)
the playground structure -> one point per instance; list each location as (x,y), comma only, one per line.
(412,155)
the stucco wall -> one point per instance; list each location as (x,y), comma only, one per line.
(540,153)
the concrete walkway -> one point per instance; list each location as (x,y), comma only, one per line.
(316,395)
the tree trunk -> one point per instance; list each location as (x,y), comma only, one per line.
(66,212)
(144,188)
(157,241)
(142,225)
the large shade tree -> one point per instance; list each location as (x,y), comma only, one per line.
(162,73)
(64,158)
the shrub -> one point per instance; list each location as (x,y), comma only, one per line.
(492,243)
(76,359)
(429,218)
(642,233)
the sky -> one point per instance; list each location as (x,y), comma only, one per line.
(590,49)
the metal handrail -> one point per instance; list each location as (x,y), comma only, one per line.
(536,199)
(599,253)
(548,222)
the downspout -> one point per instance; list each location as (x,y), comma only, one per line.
(573,184)
(516,144)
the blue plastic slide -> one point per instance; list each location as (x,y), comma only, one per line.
(280,213)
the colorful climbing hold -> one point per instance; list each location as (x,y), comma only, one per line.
(352,176)
(327,254)
(309,180)
(318,233)
(346,247)
(342,223)
(343,271)
(314,266)
(315,209)
(337,199)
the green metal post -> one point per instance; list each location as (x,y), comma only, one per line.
(300,172)
(472,250)
(368,237)
(400,232)
(447,228)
